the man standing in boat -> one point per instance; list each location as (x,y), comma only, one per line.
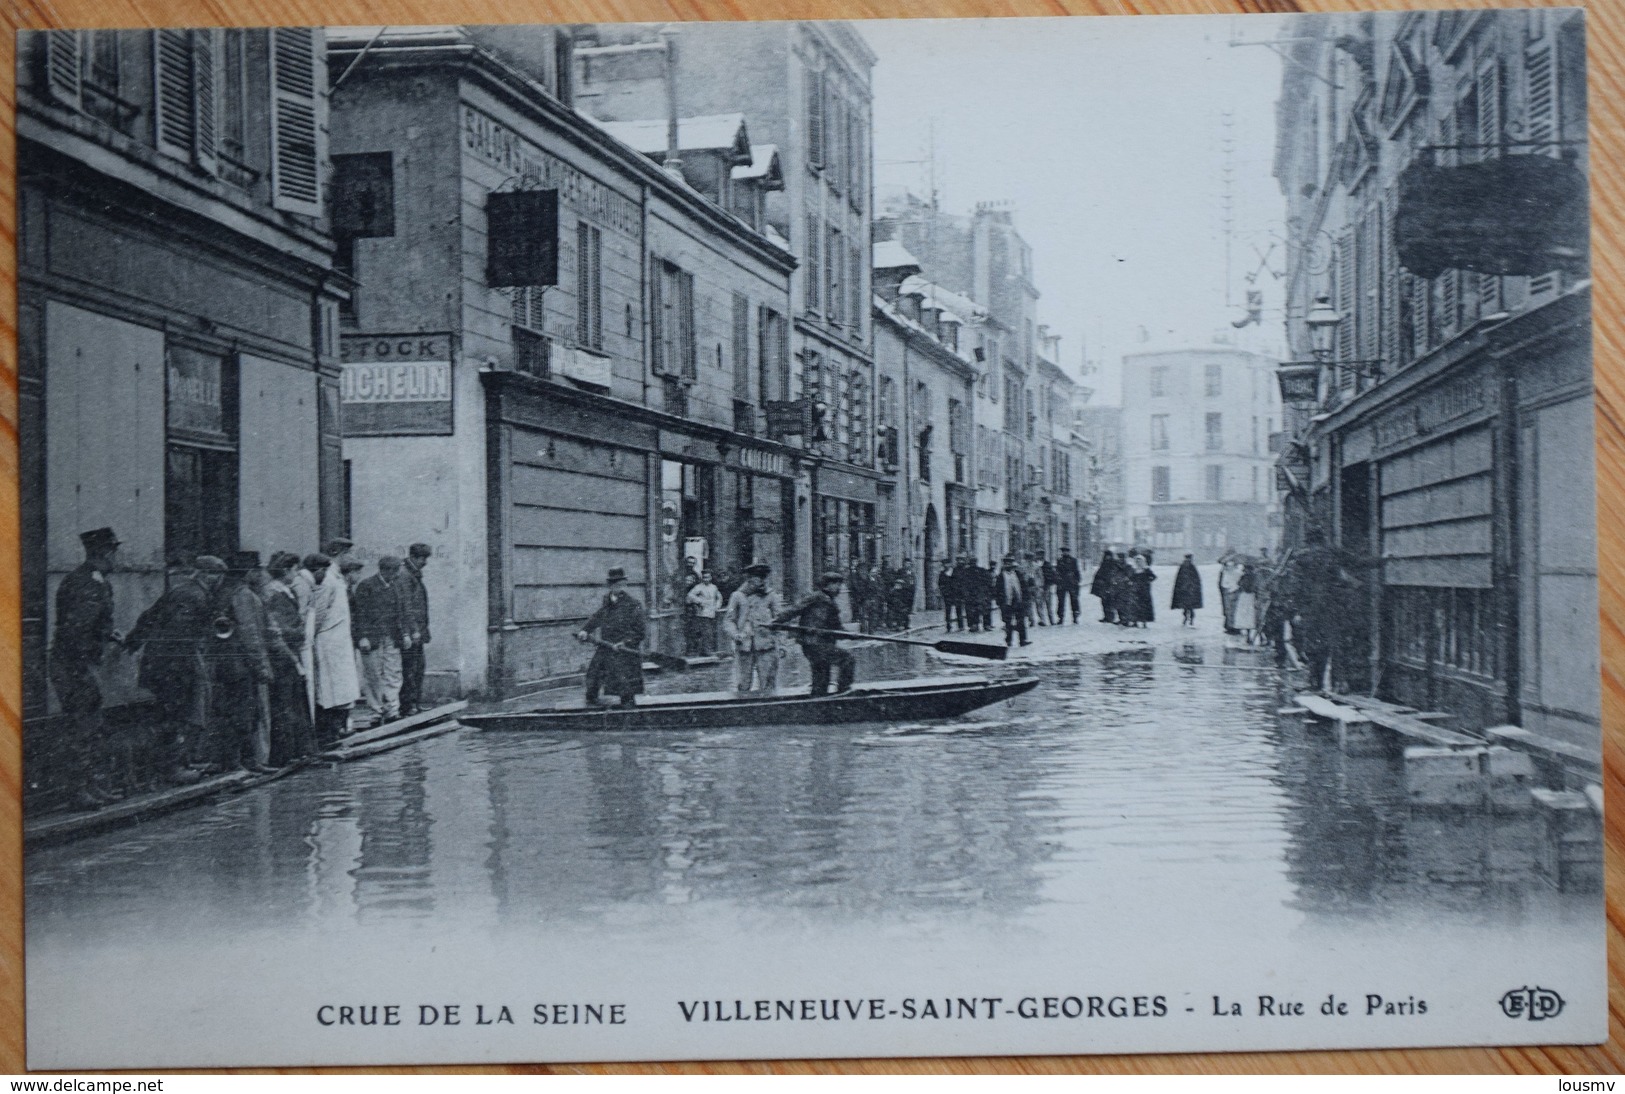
(821,614)
(617,663)
(747,621)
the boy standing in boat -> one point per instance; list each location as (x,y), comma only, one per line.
(620,623)
(820,612)
(747,621)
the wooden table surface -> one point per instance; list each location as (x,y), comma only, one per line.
(1606,24)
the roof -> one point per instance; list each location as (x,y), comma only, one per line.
(703,133)
(935,296)
(892,255)
(764,164)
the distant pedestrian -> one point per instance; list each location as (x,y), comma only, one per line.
(293,735)
(820,614)
(953,605)
(380,632)
(1068,580)
(1010,592)
(1051,603)
(415,598)
(1032,577)
(1103,586)
(172,637)
(747,622)
(1187,592)
(620,626)
(978,593)
(1230,567)
(242,671)
(83,628)
(1246,609)
(1122,589)
(1142,611)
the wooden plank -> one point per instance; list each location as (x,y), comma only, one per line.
(404,725)
(57,827)
(345,755)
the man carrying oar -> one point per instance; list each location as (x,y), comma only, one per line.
(820,615)
(617,663)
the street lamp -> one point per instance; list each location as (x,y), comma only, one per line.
(1322,321)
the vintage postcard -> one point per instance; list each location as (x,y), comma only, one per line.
(712,540)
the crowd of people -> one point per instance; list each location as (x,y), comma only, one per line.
(1030,591)
(252,664)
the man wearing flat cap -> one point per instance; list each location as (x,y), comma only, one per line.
(415,597)
(820,615)
(242,670)
(748,623)
(172,637)
(617,629)
(381,633)
(83,627)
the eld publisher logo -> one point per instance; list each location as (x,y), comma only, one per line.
(1534,1004)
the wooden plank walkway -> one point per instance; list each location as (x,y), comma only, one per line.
(1348,709)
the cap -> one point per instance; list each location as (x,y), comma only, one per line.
(834,576)
(390,563)
(758,569)
(209,564)
(420,550)
(615,574)
(317,561)
(339,546)
(244,561)
(99,539)
(351,565)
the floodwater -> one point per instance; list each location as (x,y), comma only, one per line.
(1130,783)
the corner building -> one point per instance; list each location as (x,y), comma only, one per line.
(596,331)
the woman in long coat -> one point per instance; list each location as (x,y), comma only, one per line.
(1101,586)
(332,651)
(1141,610)
(1187,591)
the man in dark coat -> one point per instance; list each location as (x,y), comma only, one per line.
(1187,591)
(172,636)
(242,671)
(821,612)
(979,586)
(953,606)
(382,634)
(1068,579)
(84,626)
(415,599)
(619,621)
(1104,587)
(1010,592)
(293,735)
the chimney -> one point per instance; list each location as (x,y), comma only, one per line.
(564,65)
(673,165)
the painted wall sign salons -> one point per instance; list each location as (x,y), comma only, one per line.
(395,384)
(498,145)
(1434,409)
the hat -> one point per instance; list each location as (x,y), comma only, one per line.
(1009,558)
(351,565)
(615,574)
(209,564)
(832,575)
(317,561)
(339,545)
(99,539)
(758,569)
(390,563)
(420,550)
(244,561)
(1066,550)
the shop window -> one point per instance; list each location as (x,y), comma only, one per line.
(200,471)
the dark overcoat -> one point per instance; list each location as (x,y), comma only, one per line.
(619,620)
(1187,588)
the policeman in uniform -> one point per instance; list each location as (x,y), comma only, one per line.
(620,622)
(820,612)
(84,626)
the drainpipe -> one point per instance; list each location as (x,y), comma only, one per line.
(673,165)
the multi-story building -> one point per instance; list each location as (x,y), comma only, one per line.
(557,350)
(1105,499)
(177,321)
(1197,466)
(1444,432)
(804,90)
(927,383)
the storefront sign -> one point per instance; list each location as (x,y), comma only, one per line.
(502,147)
(194,398)
(1300,384)
(1440,406)
(789,419)
(395,385)
(762,462)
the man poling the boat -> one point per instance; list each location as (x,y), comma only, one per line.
(819,619)
(617,664)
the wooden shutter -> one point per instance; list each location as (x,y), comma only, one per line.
(815,117)
(1345,297)
(174,115)
(687,343)
(1540,103)
(297,135)
(741,347)
(657,317)
(589,286)
(834,299)
(858,309)
(813,271)
(63,58)
(1491,133)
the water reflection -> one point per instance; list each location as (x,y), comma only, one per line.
(1128,785)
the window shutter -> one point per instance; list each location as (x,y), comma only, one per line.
(1345,297)
(814,272)
(834,299)
(741,361)
(657,317)
(63,50)
(296,123)
(174,117)
(589,287)
(206,58)
(686,341)
(1540,104)
(858,309)
(815,117)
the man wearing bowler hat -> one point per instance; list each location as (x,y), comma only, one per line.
(83,627)
(620,626)
(820,614)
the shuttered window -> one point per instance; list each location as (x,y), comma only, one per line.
(835,156)
(813,273)
(741,347)
(773,354)
(835,298)
(206,57)
(62,65)
(1345,297)
(174,120)
(858,297)
(815,117)
(296,125)
(672,306)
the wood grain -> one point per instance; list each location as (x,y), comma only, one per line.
(1606,19)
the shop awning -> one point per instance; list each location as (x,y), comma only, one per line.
(1518,215)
